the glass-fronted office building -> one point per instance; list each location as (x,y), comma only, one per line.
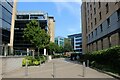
(76,41)
(23,18)
(6,7)
(59,41)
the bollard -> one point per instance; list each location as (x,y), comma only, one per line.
(87,63)
(83,69)
(26,68)
(54,70)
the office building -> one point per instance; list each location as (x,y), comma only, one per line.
(76,41)
(59,41)
(100,25)
(7,13)
(24,17)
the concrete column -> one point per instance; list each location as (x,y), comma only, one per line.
(27,51)
(44,51)
(5,50)
(11,50)
(33,53)
(1,48)
(12,26)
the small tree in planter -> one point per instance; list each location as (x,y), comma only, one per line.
(37,36)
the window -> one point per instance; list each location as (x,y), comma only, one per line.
(92,34)
(94,2)
(101,28)
(118,14)
(91,25)
(100,15)
(88,20)
(107,8)
(88,12)
(108,22)
(96,31)
(87,4)
(94,10)
(99,3)
(90,7)
(89,36)
(95,21)
(91,16)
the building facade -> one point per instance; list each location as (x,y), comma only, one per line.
(59,41)
(76,41)
(7,8)
(23,18)
(100,25)
(51,28)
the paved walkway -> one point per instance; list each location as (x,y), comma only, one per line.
(63,69)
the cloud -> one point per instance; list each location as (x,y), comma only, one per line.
(73,7)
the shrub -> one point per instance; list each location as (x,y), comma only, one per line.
(36,63)
(107,57)
(29,62)
(33,61)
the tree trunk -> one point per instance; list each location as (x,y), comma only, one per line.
(38,52)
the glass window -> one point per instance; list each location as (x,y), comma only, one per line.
(90,7)
(101,28)
(108,22)
(91,25)
(22,16)
(7,7)
(7,16)
(95,21)
(107,8)
(96,31)
(91,15)
(92,34)
(118,14)
(94,10)
(100,15)
(99,3)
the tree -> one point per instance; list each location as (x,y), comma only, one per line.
(55,48)
(67,46)
(60,49)
(36,35)
(52,47)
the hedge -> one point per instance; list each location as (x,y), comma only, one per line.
(108,57)
(34,61)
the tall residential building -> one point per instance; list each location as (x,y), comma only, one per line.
(100,25)
(23,18)
(76,41)
(51,27)
(59,41)
(7,9)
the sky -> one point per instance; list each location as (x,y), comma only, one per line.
(67,15)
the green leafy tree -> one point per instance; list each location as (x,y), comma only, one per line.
(55,48)
(60,49)
(36,35)
(52,47)
(67,47)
